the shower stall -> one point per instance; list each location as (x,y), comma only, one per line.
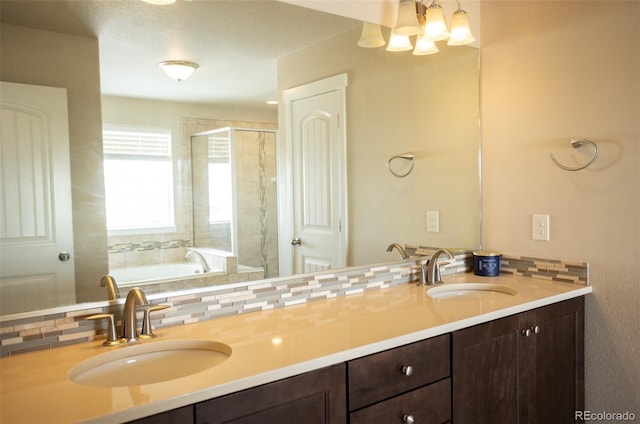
(234,196)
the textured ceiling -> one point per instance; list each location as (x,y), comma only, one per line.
(235,42)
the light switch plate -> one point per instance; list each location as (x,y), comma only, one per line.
(433,221)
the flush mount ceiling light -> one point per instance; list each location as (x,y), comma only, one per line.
(431,24)
(178,69)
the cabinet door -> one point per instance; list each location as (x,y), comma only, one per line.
(182,415)
(557,379)
(485,373)
(315,397)
(504,373)
(427,405)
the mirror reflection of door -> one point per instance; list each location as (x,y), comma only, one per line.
(319,180)
(35,182)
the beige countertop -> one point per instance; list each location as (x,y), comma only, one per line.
(266,346)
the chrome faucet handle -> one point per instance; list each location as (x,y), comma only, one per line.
(135,298)
(433,267)
(438,279)
(147,331)
(113,292)
(112,335)
(422,281)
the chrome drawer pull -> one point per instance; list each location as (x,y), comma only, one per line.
(407,370)
(408,419)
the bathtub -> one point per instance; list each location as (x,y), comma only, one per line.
(148,274)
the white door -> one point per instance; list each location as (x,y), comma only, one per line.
(36,233)
(318,175)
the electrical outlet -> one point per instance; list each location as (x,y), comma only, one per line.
(433,221)
(541,227)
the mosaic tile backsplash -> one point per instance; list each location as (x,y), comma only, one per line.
(55,328)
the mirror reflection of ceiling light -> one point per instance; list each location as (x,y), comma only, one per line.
(178,69)
(433,27)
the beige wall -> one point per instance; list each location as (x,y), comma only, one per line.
(398,103)
(31,56)
(165,114)
(552,71)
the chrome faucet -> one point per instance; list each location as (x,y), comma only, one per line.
(113,292)
(203,261)
(431,271)
(135,298)
(392,246)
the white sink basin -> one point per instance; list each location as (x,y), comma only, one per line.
(458,290)
(149,363)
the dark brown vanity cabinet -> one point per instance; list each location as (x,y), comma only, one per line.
(525,368)
(407,384)
(182,415)
(315,397)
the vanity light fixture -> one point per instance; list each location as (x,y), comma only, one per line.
(460,31)
(371,36)
(407,19)
(399,43)
(178,69)
(433,28)
(425,47)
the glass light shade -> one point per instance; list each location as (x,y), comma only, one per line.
(159,2)
(371,36)
(178,69)
(425,47)
(460,31)
(435,28)
(407,19)
(399,43)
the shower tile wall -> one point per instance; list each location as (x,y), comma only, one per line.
(256,200)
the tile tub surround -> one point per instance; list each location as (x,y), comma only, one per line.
(64,326)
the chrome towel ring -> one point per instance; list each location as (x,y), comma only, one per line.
(577,144)
(405,156)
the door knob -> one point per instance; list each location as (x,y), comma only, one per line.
(64,256)
(296,242)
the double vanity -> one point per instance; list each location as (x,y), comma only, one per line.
(476,349)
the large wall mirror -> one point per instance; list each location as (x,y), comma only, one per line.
(395,103)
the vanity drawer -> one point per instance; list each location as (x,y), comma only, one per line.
(426,405)
(380,376)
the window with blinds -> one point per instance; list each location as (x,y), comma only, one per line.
(138,173)
(220,179)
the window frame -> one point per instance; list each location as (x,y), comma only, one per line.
(171,150)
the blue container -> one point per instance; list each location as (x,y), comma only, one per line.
(486,263)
